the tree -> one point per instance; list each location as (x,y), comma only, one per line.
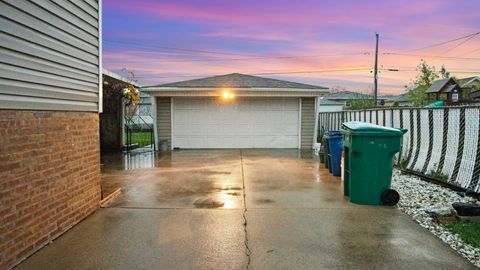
(444,73)
(424,79)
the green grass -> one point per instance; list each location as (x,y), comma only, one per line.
(468,231)
(141,138)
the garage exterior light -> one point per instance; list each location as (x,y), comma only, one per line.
(228,95)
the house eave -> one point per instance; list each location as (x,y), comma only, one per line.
(471,81)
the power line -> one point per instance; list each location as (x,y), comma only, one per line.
(442,43)
(173,48)
(476,50)
(432,56)
(249,57)
(461,43)
(312,71)
(257,58)
(267,73)
(397,69)
(410,67)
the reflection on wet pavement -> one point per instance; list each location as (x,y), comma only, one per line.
(130,160)
(180,179)
(212,178)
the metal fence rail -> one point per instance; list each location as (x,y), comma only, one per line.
(441,142)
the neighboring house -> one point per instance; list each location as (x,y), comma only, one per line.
(470,82)
(327,105)
(471,88)
(235,111)
(446,90)
(49,124)
(455,90)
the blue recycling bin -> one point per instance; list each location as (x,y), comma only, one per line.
(334,156)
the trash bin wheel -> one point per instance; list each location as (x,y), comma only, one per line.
(390,197)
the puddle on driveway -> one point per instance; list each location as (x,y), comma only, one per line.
(208,203)
(205,179)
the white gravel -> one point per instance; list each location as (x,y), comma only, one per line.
(417,197)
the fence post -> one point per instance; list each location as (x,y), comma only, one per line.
(384,117)
(401,118)
(391,117)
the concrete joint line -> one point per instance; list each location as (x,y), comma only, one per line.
(248,252)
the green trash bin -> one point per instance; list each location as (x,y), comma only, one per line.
(368,162)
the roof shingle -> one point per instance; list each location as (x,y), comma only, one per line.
(237,80)
(437,85)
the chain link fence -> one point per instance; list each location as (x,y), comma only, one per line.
(443,143)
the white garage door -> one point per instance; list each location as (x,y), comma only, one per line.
(243,123)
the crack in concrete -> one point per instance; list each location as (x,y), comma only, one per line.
(248,252)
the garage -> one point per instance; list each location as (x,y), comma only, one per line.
(246,122)
(235,111)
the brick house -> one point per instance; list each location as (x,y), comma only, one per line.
(49,123)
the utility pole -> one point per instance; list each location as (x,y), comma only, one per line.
(375,89)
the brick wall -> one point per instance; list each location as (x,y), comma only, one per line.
(49,177)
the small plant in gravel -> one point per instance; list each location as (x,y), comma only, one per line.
(437,174)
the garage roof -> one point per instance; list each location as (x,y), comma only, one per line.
(237,80)
(240,84)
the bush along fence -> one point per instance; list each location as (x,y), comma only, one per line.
(443,143)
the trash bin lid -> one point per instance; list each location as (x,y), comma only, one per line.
(333,133)
(361,128)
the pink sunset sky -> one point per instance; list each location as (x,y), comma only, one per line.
(327,43)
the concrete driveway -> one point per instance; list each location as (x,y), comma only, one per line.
(232,209)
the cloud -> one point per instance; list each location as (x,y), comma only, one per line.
(328,34)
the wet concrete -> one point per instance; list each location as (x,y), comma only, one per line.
(182,179)
(117,238)
(185,210)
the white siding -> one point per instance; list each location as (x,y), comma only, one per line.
(164,121)
(49,55)
(308,122)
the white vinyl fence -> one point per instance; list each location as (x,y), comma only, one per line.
(440,141)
